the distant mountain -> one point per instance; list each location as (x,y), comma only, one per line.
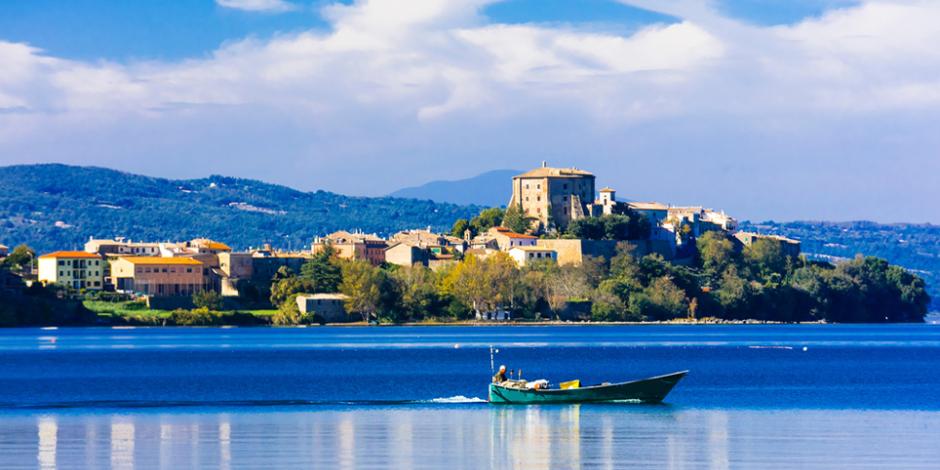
(54,207)
(491,189)
(913,246)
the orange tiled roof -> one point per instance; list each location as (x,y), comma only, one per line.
(509,233)
(160,260)
(71,254)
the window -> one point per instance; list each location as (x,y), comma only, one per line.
(565,186)
(164,270)
(189,270)
(527,186)
(61,263)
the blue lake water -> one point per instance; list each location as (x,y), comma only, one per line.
(757,396)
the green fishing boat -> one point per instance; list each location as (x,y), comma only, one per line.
(651,390)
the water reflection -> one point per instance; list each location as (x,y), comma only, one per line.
(474,437)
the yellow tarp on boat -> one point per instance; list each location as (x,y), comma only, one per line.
(570,384)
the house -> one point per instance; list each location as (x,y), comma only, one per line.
(348,245)
(73,269)
(788,246)
(506,239)
(4,251)
(158,276)
(405,254)
(265,264)
(119,247)
(329,306)
(526,255)
(553,197)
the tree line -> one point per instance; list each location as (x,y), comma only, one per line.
(724,281)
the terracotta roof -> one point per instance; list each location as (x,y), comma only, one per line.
(607,189)
(71,254)
(555,172)
(509,233)
(160,260)
(212,244)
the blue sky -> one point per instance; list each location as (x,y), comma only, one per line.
(152,29)
(797,109)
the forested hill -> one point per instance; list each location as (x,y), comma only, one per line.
(55,206)
(913,246)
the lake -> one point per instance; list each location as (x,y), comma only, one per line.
(757,396)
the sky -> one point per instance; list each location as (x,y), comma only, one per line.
(767,109)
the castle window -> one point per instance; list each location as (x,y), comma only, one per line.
(565,186)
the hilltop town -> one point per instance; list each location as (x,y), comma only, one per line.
(561,250)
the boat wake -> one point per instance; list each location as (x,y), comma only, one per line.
(456,400)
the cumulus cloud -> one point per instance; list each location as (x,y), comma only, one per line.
(272,6)
(704,110)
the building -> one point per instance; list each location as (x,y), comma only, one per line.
(505,239)
(120,247)
(553,197)
(329,306)
(526,255)
(73,269)
(4,251)
(158,276)
(348,245)
(266,264)
(404,254)
(788,246)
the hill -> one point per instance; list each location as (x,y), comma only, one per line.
(55,206)
(491,189)
(913,246)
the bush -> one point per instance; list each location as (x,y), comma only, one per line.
(195,317)
(208,299)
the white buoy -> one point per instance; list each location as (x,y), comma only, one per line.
(805,348)
(457,346)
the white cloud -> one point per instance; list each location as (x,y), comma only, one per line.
(399,92)
(272,6)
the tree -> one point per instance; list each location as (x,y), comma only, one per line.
(484,285)
(514,219)
(208,299)
(288,313)
(616,227)
(716,251)
(363,284)
(587,228)
(20,258)
(487,219)
(766,256)
(735,294)
(662,300)
(322,271)
(286,287)
(419,293)
(460,227)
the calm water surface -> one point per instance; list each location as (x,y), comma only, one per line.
(757,397)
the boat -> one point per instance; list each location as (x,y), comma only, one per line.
(651,390)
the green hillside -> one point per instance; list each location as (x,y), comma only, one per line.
(913,246)
(55,206)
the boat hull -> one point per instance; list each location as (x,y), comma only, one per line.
(651,390)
